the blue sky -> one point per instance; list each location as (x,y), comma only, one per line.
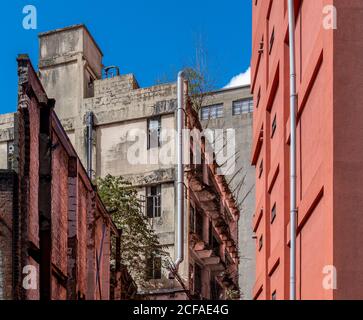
(152,39)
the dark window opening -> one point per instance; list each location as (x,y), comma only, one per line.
(274,296)
(260,169)
(196,222)
(272,40)
(153,268)
(153,201)
(258,98)
(197,279)
(10,154)
(260,243)
(273,213)
(273,126)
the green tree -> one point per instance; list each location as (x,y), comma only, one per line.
(138,241)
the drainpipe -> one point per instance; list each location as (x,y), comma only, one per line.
(89,122)
(180,177)
(293,99)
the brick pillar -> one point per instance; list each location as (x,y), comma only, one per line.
(72,289)
(8,209)
(91,247)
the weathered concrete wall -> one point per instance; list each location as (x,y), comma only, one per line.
(6,138)
(115,150)
(242,124)
(71,57)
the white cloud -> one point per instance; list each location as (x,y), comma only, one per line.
(242,79)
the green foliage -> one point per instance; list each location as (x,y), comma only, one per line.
(138,240)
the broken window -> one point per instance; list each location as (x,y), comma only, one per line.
(153,129)
(153,201)
(197,279)
(196,222)
(10,153)
(153,268)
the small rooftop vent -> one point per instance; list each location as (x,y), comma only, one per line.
(111,71)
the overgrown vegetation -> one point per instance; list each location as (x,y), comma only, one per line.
(139,241)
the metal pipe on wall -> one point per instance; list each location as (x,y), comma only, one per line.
(180,170)
(89,122)
(293,100)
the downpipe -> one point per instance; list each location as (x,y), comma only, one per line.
(293,100)
(180,170)
(89,123)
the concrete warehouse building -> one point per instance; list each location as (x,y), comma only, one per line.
(98,107)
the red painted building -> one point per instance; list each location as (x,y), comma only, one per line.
(329,66)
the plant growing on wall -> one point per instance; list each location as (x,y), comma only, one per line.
(138,241)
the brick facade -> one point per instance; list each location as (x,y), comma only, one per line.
(57,225)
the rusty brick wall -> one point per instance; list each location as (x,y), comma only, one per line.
(91,236)
(102,253)
(8,203)
(33,226)
(59,227)
(54,189)
(105,266)
(72,244)
(82,238)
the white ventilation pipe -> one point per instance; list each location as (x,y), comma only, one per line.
(180,170)
(89,123)
(293,100)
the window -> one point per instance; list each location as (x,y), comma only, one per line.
(272,40)
(153,129)
(260,169)
(10,154)
(192,219)
(212,112)
(196,222)
(153,268)
(260,243)
(273,213)
(274,296)
(242,106)
(153,201)
(258,98)
(215,245)
(197,279)
(273,126)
